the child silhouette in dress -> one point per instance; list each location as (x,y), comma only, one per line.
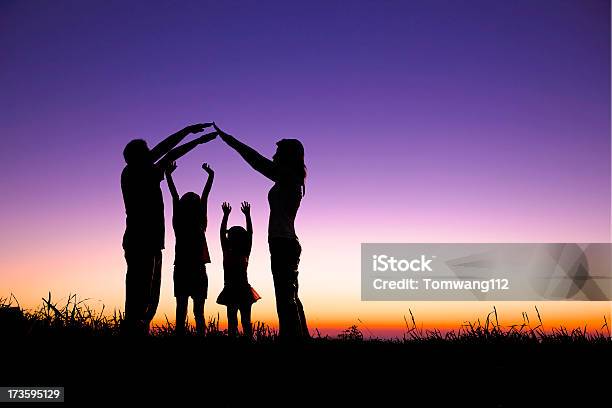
(237,294)
(189,220)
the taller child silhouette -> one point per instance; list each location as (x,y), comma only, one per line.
(143,240)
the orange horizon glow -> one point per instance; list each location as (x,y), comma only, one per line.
(329,281)
(392,319)
(554,315)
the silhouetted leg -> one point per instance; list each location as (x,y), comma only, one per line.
(181,314)
(281,290)
(278,260)
(198,311)
(285,258)
(302,316)
(293,315)
(286,305)
(154,289)
(232,320)
(137,288)
(245,318)
(281,300)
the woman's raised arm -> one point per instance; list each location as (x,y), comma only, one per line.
(257,161)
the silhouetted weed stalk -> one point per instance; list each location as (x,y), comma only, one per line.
(492,332)
(76,317)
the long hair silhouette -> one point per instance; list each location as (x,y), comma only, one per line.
(289,157)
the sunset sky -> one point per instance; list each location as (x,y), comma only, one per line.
(423,121)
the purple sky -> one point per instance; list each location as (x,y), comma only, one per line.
(422,121)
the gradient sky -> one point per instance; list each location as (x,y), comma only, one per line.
(424,121)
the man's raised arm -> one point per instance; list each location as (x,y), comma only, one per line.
(183,149)
(171,141)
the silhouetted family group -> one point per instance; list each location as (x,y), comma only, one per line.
(143,240)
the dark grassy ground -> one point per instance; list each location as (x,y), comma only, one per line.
(319,373)
(481,364)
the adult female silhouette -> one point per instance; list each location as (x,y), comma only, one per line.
(288,172)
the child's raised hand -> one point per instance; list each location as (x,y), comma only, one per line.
(245,207)
(226,208)
(208,169)
(171,167)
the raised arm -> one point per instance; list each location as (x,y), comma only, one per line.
(246,210)
(183,149)
(169,170)
(227,209)
(209,182)
(206,192)
(171,141)
(258,162)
